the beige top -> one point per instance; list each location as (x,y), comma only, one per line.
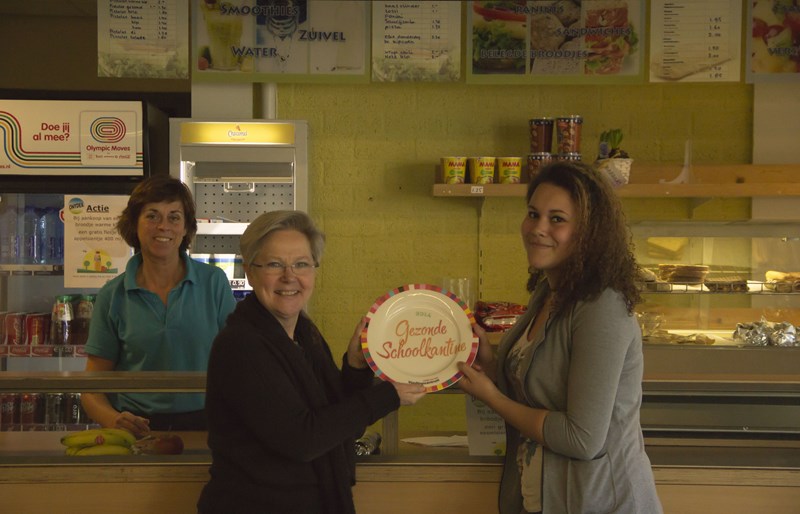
(529,461)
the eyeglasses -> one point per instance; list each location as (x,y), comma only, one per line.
(300,268)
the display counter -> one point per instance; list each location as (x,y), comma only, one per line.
(705,473)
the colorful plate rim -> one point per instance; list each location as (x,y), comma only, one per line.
(419,287)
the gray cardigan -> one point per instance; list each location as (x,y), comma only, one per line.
(587,371)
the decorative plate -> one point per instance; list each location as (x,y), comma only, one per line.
(416,334)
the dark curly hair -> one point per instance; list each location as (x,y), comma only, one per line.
(156,189)
(603,250)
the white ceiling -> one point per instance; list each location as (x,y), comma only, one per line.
(48,7)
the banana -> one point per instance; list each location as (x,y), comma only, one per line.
(103,449)
(127,437)
(98,437)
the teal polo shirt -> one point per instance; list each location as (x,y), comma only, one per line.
(133,328)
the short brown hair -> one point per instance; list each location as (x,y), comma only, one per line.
(156,189)
(273,221)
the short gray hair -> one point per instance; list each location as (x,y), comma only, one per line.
(273,221)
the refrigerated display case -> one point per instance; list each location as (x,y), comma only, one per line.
(237,170)
(54,150)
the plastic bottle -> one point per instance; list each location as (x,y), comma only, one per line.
(53,236)
(61,324)
(31,236)
(9,242)
(368,444)
(83,317)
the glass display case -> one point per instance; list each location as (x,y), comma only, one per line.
(719,252)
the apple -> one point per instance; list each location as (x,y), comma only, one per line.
(163,444)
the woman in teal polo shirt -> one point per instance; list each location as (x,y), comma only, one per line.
(162,313)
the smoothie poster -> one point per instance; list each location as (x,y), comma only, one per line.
(69,138)
(557,42)
(94,252)
(773,45)
(280,41)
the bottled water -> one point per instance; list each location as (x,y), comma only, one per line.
(52,236)
(9,242)
(32,235)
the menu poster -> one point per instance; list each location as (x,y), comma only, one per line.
(773,42)
(143,39)
(694,41)
(486,430)
(280,41)
(575,41)
(416,41)
(94,252)
(70,138)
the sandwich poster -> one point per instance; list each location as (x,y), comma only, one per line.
(563,41)
(773,48)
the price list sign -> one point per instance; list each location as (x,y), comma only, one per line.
(143,38)
(416,41)
(694,41)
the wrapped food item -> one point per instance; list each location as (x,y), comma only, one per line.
(782,334)
(498,316)
(753,334)
(764,333)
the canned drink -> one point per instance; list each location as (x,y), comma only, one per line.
(481,170)
(568,134)
(37,328)
(54,409)
(15,328)
(30,409)
(454,169)
(73,412)
(536,161)
(541,134)
(9,411)
(509,169)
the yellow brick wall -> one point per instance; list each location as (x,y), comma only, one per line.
(373,150)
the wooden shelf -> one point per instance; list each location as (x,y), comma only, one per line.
(707,181)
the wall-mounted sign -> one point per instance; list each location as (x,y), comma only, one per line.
(773,45)
(280,41)
(694,41)
(519,42)
(94,252)
(416,41)
(143,39)
(68,138)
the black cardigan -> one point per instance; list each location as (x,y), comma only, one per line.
(282,418)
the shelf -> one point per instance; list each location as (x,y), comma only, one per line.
(103,381)
(708,181)
(32,269)
(221,229)
(754,288)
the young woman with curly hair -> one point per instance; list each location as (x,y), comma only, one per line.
(567,378)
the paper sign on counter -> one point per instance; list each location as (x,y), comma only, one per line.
(94,252)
